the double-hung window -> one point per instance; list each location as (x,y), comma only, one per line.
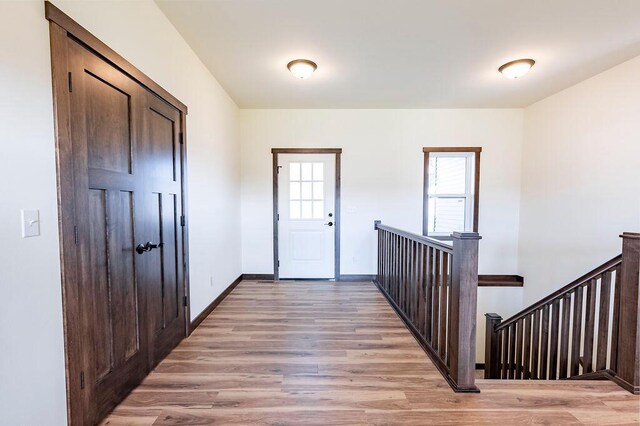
(451,191)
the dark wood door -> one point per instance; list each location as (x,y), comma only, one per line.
(128,204)
(163,183)
(106,128)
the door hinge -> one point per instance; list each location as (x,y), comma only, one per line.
(181,138)
(75,235)
(70,82)
(185,301)
(278,216)
(278,263)
(82,380)
(278,169)
(182,220)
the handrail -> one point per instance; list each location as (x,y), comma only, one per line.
(432,286)
(561,292)
(419,238)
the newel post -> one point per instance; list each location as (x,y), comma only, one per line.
(628,368)
(492,347)
(464,297)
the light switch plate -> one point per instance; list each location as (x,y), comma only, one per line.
(30,223)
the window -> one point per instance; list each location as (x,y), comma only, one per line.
(451,191)
(306,190)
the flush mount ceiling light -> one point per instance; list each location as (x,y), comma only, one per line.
(517,68)
(302,68)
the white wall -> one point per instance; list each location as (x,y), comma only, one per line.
(382,174)
(32,384)
(580,178)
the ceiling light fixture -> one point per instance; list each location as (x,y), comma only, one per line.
(302,68)
(517,68)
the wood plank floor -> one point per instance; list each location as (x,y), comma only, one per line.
(309,353)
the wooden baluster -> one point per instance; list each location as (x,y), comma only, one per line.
(544,342)
(512,351)
(408,284)
(405,273)
(442,343)
(590,321)
(392,264)
(603,321)
(628,366)
(386,261)
(399,272)
(423,289)
(615,326)
(564,337)
(418,278)
(403,265)
(429,294)
(405,276)
(409,292)
(519,341)
(553,342)
(526,354)
(464,294)
(505,353)
(396,280)
(436,298)
(379,271)
(492,347)
(535,345)
(407,279)
(421,292)
(414,284)
(576,334)
(448,255)
(396,267)
(380,256)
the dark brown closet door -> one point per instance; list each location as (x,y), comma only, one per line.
(163,209)
(106,127)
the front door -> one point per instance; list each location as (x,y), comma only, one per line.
(306,215)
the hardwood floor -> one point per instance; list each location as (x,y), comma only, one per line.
(335,354)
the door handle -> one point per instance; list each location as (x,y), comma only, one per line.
(329,224)
(148,246)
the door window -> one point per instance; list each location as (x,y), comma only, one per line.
(306,190)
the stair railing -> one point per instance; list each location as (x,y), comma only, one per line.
(432,285)
(587,329)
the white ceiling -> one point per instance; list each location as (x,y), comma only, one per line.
(404,53)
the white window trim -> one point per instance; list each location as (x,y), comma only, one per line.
(469,195)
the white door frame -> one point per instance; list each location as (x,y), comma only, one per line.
(275,152)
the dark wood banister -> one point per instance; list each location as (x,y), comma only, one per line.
(432,286)
(419,238)
(566,289)
(588,328)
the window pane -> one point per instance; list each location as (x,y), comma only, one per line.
(294,171)
(305,171)
(318,190)
(447,175)
(306,191)
(307,212)
(294,209)
(318,171)
(318,209)
(294,190)
(446,215)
